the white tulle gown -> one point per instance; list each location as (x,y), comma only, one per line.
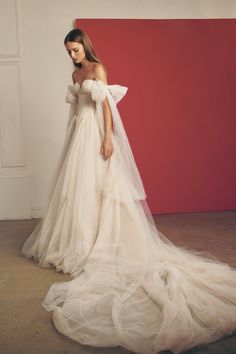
(131,286)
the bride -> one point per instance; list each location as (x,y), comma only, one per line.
(130,286)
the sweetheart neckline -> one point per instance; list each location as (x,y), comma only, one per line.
(80,85)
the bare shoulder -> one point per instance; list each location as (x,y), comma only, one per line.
(100,72)
(99,67)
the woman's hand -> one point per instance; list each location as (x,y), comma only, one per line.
(106,148)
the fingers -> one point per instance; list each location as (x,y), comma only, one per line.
(106,152)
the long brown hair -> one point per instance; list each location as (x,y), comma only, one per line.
(79,36)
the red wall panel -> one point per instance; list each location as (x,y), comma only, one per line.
(180,109)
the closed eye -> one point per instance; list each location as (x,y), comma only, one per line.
(75,50)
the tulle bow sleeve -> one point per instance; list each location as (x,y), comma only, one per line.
(117,92)
(72,93)
(100,90)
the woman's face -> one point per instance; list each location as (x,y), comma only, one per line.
(75,51)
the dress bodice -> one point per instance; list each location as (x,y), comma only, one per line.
(81,96)
(91,91)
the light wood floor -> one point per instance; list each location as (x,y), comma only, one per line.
(26,328)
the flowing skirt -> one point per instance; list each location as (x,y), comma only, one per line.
(131,286)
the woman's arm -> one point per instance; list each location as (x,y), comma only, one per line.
(106,148)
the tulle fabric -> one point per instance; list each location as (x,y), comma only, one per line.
(131,286)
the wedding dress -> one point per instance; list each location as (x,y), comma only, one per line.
(131,286)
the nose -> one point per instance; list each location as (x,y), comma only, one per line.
(73,55)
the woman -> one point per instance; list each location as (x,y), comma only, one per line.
(131,286)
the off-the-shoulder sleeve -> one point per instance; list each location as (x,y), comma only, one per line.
(72,93)
(100,90)
(117,92)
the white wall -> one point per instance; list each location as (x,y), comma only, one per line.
(46,71)
(15,193)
